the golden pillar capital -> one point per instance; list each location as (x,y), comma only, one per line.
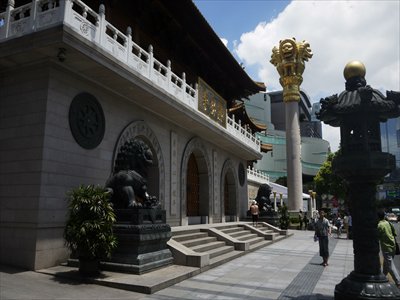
(289,60)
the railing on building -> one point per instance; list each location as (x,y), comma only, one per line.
(42,14)
(257,176)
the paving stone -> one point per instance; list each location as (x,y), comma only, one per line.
(287,269)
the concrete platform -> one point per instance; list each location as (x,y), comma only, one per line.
(288,269)
(147,283)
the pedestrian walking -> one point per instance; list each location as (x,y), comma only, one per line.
(322,233)
(254,212)
(339,225)
(350,231)
(346,223)
(388,247)
(301,219)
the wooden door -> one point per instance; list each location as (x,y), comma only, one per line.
(226,197)
(193,188)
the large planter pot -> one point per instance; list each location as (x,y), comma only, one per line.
(89,267)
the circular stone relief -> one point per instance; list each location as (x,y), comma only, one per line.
(86,120)
(241,174)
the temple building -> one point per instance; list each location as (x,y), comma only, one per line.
(79,79)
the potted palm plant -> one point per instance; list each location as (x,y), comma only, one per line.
(89,229)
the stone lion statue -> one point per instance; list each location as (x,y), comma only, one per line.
(263,194)
(128,184)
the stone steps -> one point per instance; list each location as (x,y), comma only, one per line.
(190,236)
(220,260)
(207,246)
(200,241)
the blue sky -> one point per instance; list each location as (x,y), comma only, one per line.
(230,19)
(338,32)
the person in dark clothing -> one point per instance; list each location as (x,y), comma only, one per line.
(301,219)
(322,233)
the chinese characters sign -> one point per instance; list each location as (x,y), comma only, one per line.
(211,104)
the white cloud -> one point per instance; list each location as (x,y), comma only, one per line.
(338,32)
(224,41)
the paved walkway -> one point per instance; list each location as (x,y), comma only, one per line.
(288,269)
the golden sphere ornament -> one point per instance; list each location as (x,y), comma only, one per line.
(354,68)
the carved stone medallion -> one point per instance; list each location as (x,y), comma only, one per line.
(86,120)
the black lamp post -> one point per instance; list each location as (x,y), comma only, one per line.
(361,162)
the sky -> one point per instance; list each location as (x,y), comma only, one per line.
(338,32)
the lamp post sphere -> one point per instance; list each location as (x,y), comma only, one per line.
(354,68)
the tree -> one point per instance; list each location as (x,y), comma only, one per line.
(282,181)
(326,182)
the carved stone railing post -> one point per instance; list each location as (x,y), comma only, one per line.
(66,10)
(102,24)
(128,43)
(169,71)
(33,15)
(7,19)
(184,94)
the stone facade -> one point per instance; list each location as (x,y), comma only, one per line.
(41,161)
(64,50)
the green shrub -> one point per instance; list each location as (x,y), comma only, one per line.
(89,229)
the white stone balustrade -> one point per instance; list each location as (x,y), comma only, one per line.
(41,14)
(241,133)
(257,176)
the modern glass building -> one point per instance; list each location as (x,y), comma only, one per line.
(390,138)
(269,108)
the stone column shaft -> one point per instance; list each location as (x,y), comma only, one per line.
(293,154)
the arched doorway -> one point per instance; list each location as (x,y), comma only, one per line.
(195,184)
(230,207)
(193,188)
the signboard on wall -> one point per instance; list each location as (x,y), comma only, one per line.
(211,104)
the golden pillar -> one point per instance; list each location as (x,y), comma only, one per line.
(289,60)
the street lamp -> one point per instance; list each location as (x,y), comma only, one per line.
(358,112)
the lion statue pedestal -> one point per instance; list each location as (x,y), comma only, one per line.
(142,236)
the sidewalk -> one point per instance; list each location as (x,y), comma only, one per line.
(288,269)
